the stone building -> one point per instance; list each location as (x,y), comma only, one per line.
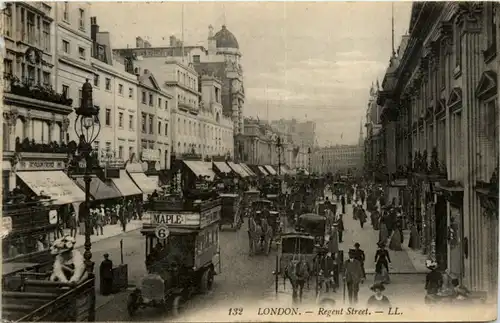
(35,111)
(440,130)
(372,144)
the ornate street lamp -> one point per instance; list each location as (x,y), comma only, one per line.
(87,128)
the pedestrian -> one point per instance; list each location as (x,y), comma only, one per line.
(382,261)
(73,224)
(342,201)
(106,275)
(361,216)
(353,276)
(383,233)
(378,300)
(434,279)
(360,256)
(340,228)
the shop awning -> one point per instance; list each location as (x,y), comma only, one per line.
(270,169)
(283,170)
(99,190)
(238,169)
(247,169)
(146,184)
(55,184)
(222,167)
(125,185)
(263,170)
(200,168)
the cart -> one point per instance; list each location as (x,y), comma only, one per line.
(313,224)
(230,214)
(182,253)
(293,247)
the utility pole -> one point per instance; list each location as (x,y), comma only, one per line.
(279,144)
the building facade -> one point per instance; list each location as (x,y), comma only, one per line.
(373,126)
(73,56)
(115,93)
(35,114)
(303,133)
(153,122)
(340,158)
(440,130)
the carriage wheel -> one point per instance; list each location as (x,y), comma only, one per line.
(207,280)
(177,305)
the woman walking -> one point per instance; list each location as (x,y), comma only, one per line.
(382,260)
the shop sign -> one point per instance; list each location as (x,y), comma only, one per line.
(40,165)
(150,155)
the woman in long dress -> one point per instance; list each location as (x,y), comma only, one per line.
(383,234)
(382,260)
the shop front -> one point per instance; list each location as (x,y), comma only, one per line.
(100,190)
(248,170)
(270,170)
(152,165)
(238,169)
(222,168)
(263,171)
(146,184)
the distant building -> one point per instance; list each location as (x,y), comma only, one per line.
(340,158)
(303,133)
(373,142)
(221,58)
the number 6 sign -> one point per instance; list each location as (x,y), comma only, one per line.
(162,232)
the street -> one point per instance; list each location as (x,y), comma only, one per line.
(243,278)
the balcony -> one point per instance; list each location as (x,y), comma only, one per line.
(30,93)
(31,146)
(188,107)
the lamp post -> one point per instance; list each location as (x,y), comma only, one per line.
(309,161)
(87,128)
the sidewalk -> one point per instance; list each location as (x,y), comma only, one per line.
(109,231)
(402,262)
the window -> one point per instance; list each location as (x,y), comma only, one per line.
(80,97)
(130,151)
(131,122)
(144,123)
(196,58)
(120,89)
(108,117)
(166,105)
(120,152)
(159,127)
(7,66)
(7,20)
(150,99)
(96,80)
(65,46)
(66,11)
(143,97)
(159,103)
(166,130)
(151,130)
(31,28)
(120,119)
(65,91)
(108,84)
(108,146)
(81,52)
(130,93)
(81,20)
(217,95)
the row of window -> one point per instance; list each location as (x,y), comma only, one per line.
(29,72)
(67,19)
(187,80)
(33,28)
(161,129)
(194,128)
(66,49)
(148,98)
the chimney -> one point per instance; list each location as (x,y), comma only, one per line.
(139,42)
(94,28)
(173,41)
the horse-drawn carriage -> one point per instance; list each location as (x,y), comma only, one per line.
(295,264)
(313,224)
(182,253)
(321,207)
(263,226)
(231,211)
(248,197)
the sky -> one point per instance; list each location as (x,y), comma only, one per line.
(305,60)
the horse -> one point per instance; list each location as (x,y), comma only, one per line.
(298,273)
(254,234)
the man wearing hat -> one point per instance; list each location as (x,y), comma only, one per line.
(353,276)
(106,274)
(340,227)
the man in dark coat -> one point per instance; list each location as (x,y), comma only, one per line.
(353,276)
(106,272)
(340,227)
(360,256)
(342,201)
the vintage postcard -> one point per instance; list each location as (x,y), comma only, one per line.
(250,161)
